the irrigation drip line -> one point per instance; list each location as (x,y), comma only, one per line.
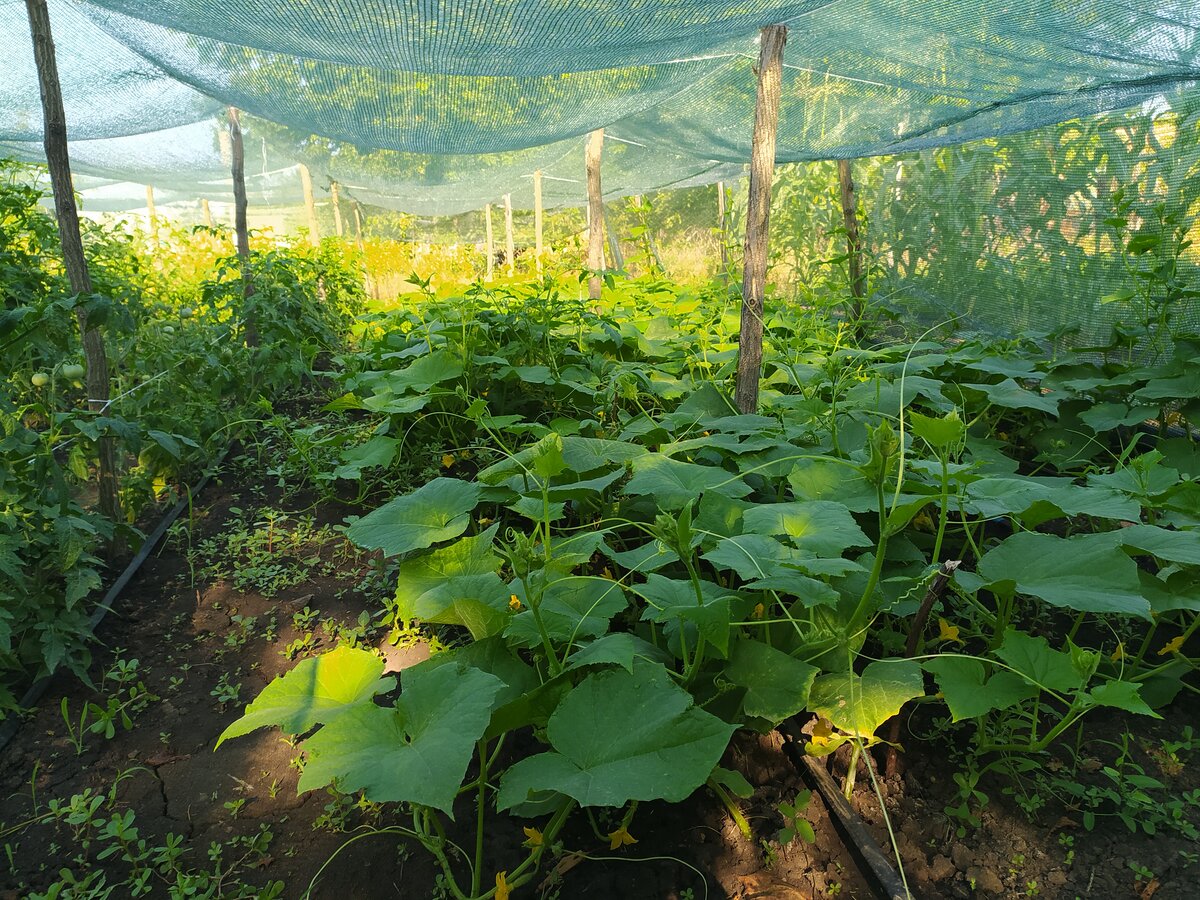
(874,864)
(10,727)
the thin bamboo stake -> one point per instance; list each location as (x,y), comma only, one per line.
(491,242)
(858,281)
(310,205)
(723,231)
(538,248)
(151,214)
(58,161)
(205,212)
(241,230)
(335,199)
(358,227)
(368,279)
(614,243)
(644,218)
(758,215)
(595,257)
(510,250)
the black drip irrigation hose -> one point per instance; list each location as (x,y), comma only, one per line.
(873,863)
(10,727)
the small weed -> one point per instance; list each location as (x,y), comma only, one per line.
(1142,873)
(300,646)
(225,692)
(305,619)
(794,823)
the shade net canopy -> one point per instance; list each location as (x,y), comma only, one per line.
(108,89)
(862,77)
(438,107)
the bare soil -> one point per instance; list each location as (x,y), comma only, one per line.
(167,772)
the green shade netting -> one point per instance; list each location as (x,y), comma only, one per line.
(452,184)
(191,160)
(465,79)
(108,89)
(980,205)
(863,77)
(1015,235)
(470,37)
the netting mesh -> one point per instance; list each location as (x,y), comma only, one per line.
(437,107)
(466,37)
(463,77)
(457,78)
(1024,235)
(108,89)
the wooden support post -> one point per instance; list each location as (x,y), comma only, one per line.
(858,279)
(758,215)
(510,249)
(368,280)
(205,212)
(358,227)
(490,247)
(614,243)
(310,205)
(151,214)
(538,248)
(241,230)
(654,257)
(58,161)
(723,232)
(595,194)
(335,199)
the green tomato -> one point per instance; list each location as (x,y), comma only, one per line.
(40,379)
(186,313)
(72,372)
(168,329)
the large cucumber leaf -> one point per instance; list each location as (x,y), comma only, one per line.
(619,737)
(316,691)
(416,752)
(437,511)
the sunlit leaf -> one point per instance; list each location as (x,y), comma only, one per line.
(857,704)
(316,691)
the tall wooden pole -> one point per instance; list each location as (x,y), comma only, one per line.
(368,281)
(758,215)
(510,250)
(491,244)
(205,212)
(151,213)
(537,220)
(858,280)
(241,229)
(310,205)
(58,161)
(335,199)
(723,231)
(644,217)
(614,243)
(358,227)
(595,257)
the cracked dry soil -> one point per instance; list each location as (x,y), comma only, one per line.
(167,771)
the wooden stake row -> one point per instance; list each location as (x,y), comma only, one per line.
(762,161)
